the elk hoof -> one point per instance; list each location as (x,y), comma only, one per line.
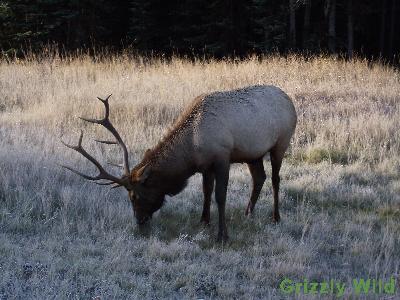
(276,218)
(205,221)
(222,238)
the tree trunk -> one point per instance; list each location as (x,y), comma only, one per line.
(382,33)
(306,27)
(392,23)
(350,28)
(292,24)
(332,26)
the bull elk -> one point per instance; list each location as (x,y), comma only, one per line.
(217,129)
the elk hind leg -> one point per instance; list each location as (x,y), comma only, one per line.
(276,163)
(258,175)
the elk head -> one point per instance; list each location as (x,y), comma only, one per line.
(145,200)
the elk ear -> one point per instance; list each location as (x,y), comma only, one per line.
(143,173)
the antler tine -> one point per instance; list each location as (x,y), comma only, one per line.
(79,173)
(115,165)
(107,113)
(106,123)
(104,183)
(116,186)
(104,100)
(106,142)
(103,175)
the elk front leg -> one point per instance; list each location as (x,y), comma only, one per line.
(258,174)
(208,187)
(221,186)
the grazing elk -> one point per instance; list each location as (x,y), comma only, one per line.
(216,130)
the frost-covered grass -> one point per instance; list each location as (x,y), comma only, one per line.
(62,237)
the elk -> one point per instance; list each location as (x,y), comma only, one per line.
(238,126)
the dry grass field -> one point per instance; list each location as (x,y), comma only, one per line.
(63,237)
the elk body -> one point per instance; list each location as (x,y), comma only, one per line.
(239,126)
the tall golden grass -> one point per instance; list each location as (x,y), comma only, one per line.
(62,237)
(347,110)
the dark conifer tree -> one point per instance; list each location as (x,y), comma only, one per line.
(218,28)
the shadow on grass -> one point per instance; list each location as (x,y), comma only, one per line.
(177,222)
(328,202)
(171,225)
(342,201)
(355,192)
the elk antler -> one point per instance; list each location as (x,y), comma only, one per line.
(105,122)
(103,175)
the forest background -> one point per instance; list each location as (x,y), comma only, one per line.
(195,28)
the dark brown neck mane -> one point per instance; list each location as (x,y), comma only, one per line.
(168,160)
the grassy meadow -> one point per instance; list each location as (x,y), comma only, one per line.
(63,237)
